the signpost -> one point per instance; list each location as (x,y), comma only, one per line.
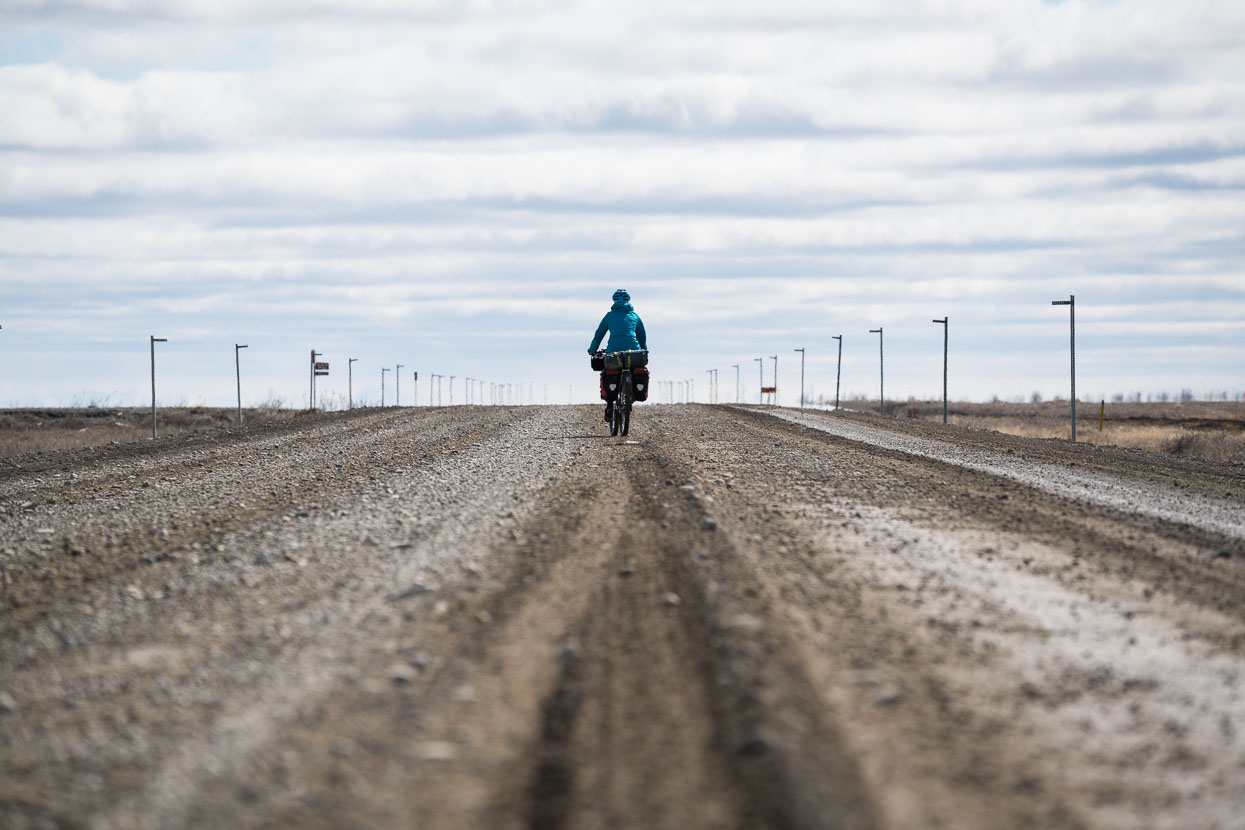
(317,370)
(1071,303)
(350,382)
(945,340)
(839,372)
(801,351)
(154,341)
(881,372)
(774,400)
(237,365)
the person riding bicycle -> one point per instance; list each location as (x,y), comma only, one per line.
(626,331)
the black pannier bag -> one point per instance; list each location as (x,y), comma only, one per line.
(640,384)
(598,364)
(634,359)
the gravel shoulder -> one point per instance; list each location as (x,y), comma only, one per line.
(500,617)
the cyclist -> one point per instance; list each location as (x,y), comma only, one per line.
(626,331)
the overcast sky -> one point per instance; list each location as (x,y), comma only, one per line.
(459,186)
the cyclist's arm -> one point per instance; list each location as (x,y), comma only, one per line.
(601,330)
(639,333)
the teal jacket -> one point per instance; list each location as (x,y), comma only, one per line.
(625,327)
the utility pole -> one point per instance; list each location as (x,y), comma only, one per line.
(154,341)
(237,365)
(761,374)
(881,372)
(397,385)
(775,357)
(946,339)
(801,351)
(709,372)
(736,367)
(312,403)
(350,362)
(415,382)
(452,389)
(382,387)
(839,372)
(1071,304)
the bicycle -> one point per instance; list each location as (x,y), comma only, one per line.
(623,362)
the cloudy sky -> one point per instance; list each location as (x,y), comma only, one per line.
(459,185)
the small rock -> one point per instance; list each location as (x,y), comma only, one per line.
(889,696)
(413,591)
(751,746)
(401,673)
(7,703)
(1224,554)
(745,622)
(670,600)
(625,570)
(708,524)
(436,751)
(261,559)
(3,511)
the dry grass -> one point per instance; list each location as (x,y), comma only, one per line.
(27,431)
(1210,430)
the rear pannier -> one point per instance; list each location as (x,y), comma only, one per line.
(640,383)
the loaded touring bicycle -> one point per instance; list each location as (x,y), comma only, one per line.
(624,380)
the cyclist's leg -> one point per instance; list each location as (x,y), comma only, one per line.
(609,403)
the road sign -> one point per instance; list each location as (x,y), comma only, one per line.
(322,367)
(768,390)
(321,374)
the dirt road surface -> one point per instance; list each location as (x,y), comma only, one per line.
(500,617)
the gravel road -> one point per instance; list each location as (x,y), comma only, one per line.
(736,617)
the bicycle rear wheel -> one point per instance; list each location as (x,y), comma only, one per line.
(616,416)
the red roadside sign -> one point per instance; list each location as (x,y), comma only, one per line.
(322,367)
(768,390)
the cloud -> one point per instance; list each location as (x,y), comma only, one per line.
(430,181)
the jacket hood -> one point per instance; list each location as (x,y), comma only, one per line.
(621,307)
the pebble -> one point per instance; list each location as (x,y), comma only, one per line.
(413,591)
(708,524)
(7,703)
(625,570)
(401,673)
(670,600)
(436,751)
(745,622)
(751,745)
(889,696)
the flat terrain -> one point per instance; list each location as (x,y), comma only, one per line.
(500,617)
